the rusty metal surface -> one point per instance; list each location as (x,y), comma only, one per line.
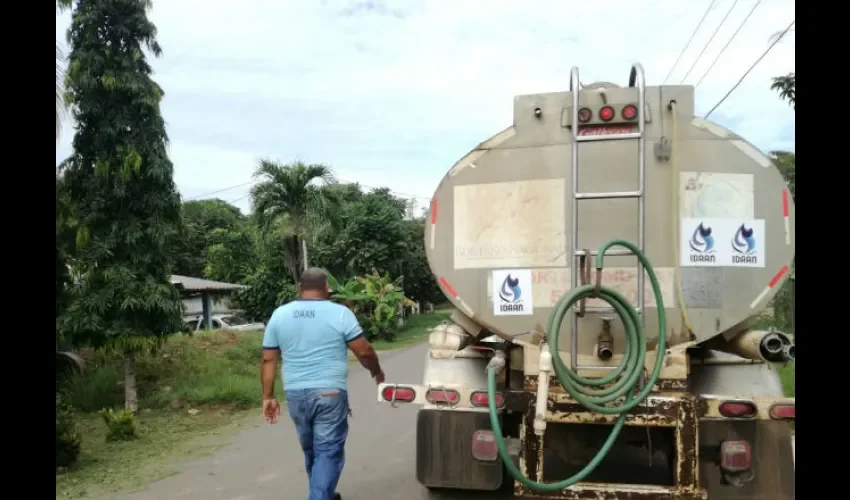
(617,492)
(687,444)
(681,412)
(665,385)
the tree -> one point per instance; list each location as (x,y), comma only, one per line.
(787,87)
(785,162)
(287,196)
(230,256)
(370,237)
(419,282)
(120,182)
(202,219)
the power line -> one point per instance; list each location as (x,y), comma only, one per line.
(689,41)
(219,191)
(727,44)
(722,21)
(780,37)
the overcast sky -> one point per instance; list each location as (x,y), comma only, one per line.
(393,92)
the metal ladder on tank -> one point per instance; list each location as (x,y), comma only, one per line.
(635,77)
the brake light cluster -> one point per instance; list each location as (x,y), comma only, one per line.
(607,113)
(402,394)
(746,409)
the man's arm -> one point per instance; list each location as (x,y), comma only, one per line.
(356,341)
(367,356)
(268,370)
(271,355)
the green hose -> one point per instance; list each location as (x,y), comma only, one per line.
(586,390)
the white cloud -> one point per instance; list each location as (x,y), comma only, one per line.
(392,93)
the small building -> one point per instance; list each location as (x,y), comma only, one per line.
(205,297)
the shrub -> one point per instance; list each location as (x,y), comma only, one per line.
(121,424)
(68,439)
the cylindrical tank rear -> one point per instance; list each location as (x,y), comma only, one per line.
(500,221)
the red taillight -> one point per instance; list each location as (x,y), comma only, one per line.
(584,115)
(484,446)
(402,394)
(735,456)
(442,396)
(784,412)
(606,113)
(737,409)
(630,112)
(480,398)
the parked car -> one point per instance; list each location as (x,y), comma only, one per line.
(229,321)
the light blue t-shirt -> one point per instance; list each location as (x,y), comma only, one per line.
(312,336)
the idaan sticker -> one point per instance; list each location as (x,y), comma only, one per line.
(726,242)
(512,292)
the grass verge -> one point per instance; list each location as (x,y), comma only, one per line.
(194,392)
(787,375)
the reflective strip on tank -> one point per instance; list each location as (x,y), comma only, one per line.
(463,305)
(785,215)
(433,223)
(769,287)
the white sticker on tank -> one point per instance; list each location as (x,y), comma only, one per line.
(512,292)
(510,224)
(551,284)
(716,195)
(728,242)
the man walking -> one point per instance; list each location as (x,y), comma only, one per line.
(312,334)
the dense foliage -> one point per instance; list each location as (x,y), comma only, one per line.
(376,301)
(120,187)
(349,232)
(68,439)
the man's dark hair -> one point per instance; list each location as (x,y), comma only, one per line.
(313,279)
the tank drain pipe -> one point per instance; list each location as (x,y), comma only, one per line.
(543,375)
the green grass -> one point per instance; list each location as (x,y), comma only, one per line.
(216,373)
(414,331)
(787,375)
(166,437)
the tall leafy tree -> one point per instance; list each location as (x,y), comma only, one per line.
(787,88)
(289,201)
(120,182)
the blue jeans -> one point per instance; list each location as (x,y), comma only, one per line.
(321,420)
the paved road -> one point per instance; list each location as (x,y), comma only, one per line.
(265,463)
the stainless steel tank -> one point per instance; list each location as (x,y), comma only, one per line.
(719,221)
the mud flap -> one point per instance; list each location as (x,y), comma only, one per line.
(444,451)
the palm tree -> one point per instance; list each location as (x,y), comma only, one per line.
(288,204)
(787,88)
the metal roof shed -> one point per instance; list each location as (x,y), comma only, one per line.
(207,289)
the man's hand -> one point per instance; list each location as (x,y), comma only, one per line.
(271,410)
(379,377)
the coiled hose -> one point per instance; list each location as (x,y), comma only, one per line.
(586,390)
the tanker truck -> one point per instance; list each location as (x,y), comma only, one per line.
(608,257)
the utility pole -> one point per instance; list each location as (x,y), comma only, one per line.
(304,253)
